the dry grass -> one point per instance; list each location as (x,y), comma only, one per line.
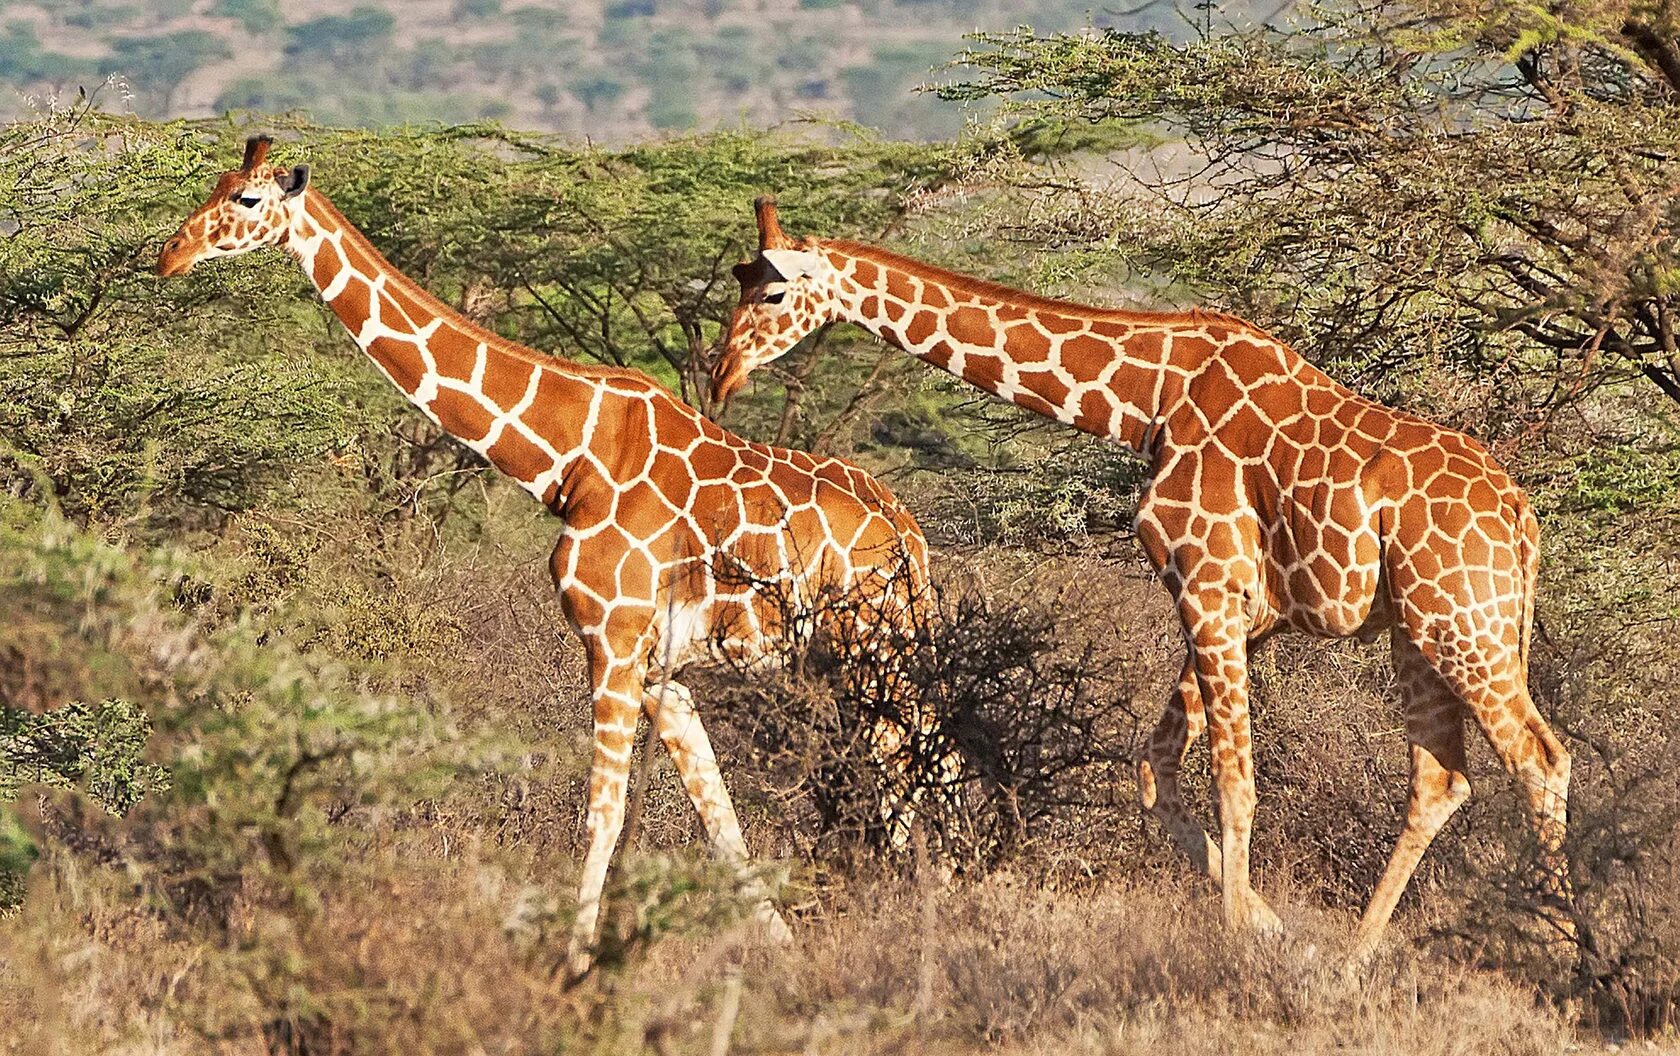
(439,924)
(1009,965)
(460,958)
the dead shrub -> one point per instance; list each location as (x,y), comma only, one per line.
(1010,735)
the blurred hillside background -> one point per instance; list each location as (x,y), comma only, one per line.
(613,71)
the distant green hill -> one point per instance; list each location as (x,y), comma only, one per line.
(612,71)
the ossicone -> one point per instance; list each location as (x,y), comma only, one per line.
(256,150)
(770,233)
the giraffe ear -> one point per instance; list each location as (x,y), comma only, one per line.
(293,182)
(256,149)
(756,272)
(790,263)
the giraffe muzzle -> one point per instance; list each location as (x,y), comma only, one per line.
(729,376)
(175,258)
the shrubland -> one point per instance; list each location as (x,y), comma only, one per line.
(295,739)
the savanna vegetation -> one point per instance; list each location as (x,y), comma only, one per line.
(294,739)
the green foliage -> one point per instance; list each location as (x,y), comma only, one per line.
(1428,234)
(259,739)
(123,430)
(1043,139)
(661,896)
(1056,492)
(18,852)
(129,398)
(357,36)
(253,16)
(98,746)
(1604,483)
(158,64)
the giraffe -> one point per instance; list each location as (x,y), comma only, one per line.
(1277,498)
(680,541)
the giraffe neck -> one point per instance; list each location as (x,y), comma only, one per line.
(526,413)
(1111,373)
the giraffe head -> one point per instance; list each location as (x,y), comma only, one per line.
(787,291)
(251,207)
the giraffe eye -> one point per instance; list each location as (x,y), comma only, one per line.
(247,202)
(775,298)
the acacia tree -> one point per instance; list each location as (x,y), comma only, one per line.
(125,393)
(1468,207)
(1478,186)
(626,259)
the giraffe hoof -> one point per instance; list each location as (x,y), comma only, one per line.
(578,964)
(1355,966)
(1261,920)
(771,927)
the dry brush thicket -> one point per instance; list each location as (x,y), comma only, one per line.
(416,898)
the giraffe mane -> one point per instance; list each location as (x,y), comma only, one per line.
(395,277)
(959,282)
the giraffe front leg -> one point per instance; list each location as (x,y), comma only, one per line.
(890,754)
(670,706)
(912,765)
(1182,722)
(1219,651)
(618,693)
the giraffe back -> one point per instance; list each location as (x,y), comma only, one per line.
(735,545)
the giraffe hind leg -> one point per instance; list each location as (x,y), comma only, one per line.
(912,764)
(1182,722)
(893,753)
(670,707)
(1532,754)
(1488,676)
(1434,717)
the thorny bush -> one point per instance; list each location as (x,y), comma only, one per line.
(1007,736)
